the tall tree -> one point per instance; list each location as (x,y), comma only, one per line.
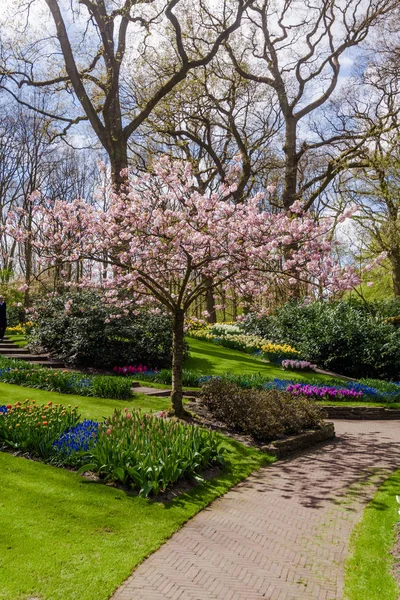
(296,48)
(100,44)
(166,240)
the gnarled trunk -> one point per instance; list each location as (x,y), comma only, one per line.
(177,362)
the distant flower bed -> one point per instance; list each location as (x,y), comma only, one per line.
(20,329)
(298,365)
(22,373)
(139,450)
(132,370)
(322,391)
(230,335)
(367,389)
(278,352)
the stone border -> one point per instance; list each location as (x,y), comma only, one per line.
(376,413)
(296,443)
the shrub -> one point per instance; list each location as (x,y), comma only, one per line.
(342,336)
(264,414)
(149,453)
(32,427)
(77,328)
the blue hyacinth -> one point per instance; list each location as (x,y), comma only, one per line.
(3,409)
(82,437)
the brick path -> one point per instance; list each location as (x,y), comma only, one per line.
(283,533)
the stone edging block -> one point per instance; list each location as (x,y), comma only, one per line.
(295,443)
(375,413)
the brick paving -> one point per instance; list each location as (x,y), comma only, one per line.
(283,533)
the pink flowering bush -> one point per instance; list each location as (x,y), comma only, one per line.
(166,245)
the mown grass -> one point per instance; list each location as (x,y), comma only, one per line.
(18,339)
(89,408)
(209,359)
(368,568)
(62,536)
(364,403)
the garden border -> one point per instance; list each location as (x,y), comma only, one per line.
(302,441)
(373,413)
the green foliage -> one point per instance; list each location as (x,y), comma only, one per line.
(347,337)
(76,327)
(150,453)
(32,427)
(25,374)
(264,414)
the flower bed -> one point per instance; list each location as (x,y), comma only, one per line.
(244,343)
(24,374)
(135,449)
(131,369)
(150,453)
(32,427)
(298,365)
(278,352)
(323,392)
(231,336)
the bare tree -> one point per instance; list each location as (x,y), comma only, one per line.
(296,48)
(215,120)
(101,44)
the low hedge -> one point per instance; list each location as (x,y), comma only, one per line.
(264,414)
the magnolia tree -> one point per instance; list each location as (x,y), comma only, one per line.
(165,243)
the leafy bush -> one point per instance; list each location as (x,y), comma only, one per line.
(32,427)
(264,414)
(341,336)
(24,374)
(77,328)
(149,453)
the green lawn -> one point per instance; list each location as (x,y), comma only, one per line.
(368,567)
(209,359)
(63,537)
(18,339)
(90,408)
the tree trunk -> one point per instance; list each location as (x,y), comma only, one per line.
(394,258)
(119,162)
(291,163)
(210,303)
(177,362)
